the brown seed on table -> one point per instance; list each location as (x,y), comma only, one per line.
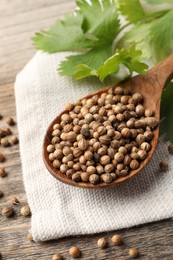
(170,148)
(14,140)
(164,165)
(29,237)
(133,252)
(4,142)
(116,240)
(10,121)
(57,257)
(7,131)
(3,172)
(74,251)
(25,211)
(102,242)
(2,132)
(94,178)
(7,212)
(2,158)
(14,200)
(1,194)
(1,116)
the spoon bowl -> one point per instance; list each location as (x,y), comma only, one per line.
(150,86)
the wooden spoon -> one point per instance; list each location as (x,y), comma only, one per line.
(150,86)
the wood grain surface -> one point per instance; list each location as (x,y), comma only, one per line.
(19,20)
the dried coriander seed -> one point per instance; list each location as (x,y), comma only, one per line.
(4,142)
(14,140)
(116,240)
(7,212)
(25,211)
(10,121)
(74,251)
(7,131)
(102,242)
(170,148)
(107,177)
(3,172)
(29,237)
(133,252)
(1,194)
(76,177)
(106,135)
(2,158)
(14,200)
(94,178)
(164,165)
(57,257)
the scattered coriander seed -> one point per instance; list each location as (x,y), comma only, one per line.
(25,211)
(170,148)
(57,257)
(29,237)
(4,142)
(7,212)
(1,194)
(2,133)
(116,240)
(14,200)
(1,116)
(74,251)
(102,242)
(7,131)
(164,165)
(10,121)
(2,158)
(14,140)
(133,252)
(3,172)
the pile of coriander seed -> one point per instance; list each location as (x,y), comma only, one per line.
(102,138)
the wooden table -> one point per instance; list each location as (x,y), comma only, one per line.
(19,20)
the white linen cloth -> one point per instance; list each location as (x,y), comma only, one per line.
(60,210)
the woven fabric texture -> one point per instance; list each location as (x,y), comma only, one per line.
(60,210)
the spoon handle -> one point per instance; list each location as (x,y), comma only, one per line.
(163,72)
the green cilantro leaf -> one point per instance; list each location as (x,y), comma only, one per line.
(154,38)
(166,124)
(64,35)
(131,59)
(100,19)
(132,10)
